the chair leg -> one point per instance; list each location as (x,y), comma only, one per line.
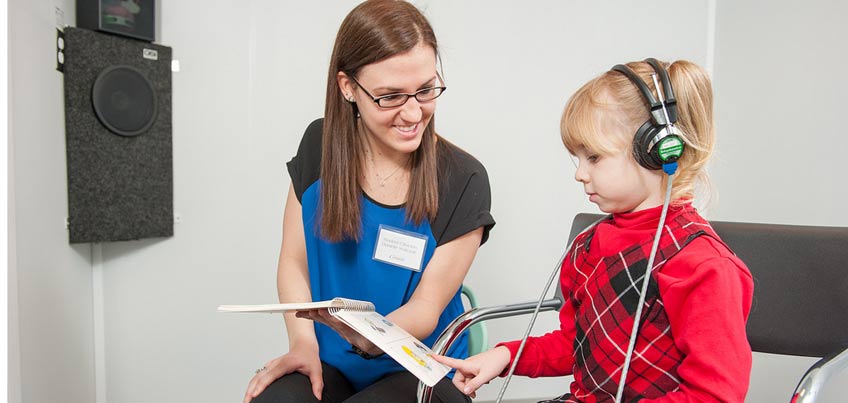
(425,393)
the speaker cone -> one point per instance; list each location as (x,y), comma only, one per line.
(124,100)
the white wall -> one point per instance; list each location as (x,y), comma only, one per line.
(253,75)
(780,101)
(780,104)
(51,327)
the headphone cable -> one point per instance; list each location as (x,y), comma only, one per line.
(538,308)
(669,169)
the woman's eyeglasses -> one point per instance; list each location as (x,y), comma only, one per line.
(398,99)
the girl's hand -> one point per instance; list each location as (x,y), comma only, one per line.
(476,371)
(352,336)
(304,360)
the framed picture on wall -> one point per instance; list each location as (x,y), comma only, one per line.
(132,18)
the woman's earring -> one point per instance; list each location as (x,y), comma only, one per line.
(353,104)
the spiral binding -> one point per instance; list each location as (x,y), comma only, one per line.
(340,304)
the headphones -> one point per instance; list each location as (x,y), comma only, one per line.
(657,142)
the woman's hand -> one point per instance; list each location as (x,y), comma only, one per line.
(303,360)
(476,371)
(351,336)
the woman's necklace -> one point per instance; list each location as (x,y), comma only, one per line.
(381,180)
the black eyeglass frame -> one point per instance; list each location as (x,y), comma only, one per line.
(415,94)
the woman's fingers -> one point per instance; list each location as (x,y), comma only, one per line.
(317,380)
(259,382)
(293,361)
(264,376)
(346,332)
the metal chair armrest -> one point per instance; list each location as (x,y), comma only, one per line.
(476,315)
(811,384)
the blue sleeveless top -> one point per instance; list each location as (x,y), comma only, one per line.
(348,268)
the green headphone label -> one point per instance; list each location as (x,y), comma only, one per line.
(670,149)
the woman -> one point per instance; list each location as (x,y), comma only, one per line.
(372,174)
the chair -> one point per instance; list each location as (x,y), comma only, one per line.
(800,305)
(478,336)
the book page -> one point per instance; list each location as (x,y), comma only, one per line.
(276,308)
(337,303)
(397,343)
(408,351)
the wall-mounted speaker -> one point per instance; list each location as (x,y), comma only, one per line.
(118,137)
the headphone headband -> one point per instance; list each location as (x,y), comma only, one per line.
(643,88)
(668,91)
(655,106)
(657,142)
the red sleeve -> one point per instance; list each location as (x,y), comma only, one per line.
(552,353)
(707,301)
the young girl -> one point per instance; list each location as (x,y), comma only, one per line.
(374,172)
(691,344)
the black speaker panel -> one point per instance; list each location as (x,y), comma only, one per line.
(118,137)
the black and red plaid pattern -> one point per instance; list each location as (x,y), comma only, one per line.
(605,293)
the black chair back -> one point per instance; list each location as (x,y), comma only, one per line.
(800,285)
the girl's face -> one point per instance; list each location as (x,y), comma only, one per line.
(394,132)
(615,181)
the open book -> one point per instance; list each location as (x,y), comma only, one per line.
(360,316)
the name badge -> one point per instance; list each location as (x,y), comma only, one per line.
(400,248)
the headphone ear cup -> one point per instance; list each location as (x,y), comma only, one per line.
(641,141)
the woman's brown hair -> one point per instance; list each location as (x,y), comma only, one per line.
(373,31)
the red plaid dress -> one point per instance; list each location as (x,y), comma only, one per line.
(605,294)
(602,293)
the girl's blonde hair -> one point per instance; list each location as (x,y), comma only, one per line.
(611,99)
